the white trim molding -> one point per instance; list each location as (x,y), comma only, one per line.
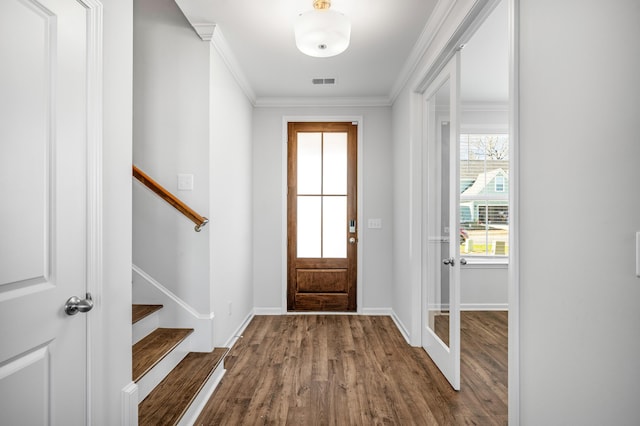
(219,42)
(129,397)
(175,312)
(377,311)
(294,102)
(204,30)
(401,327)
(94,209)
(429,32)
(267,311)
(237,334)
(484,306)
(168,293)
(514,231)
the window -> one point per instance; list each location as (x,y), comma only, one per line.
(484,195)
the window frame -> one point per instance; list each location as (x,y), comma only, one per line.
(485,260)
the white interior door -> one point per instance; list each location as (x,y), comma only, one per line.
(44,57)
(441,241)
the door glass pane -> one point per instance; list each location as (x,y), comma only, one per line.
(335,163)
(438,295)
(334,227)
(309,163)
(309,242)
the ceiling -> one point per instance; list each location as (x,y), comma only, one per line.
(260,46)
(260,35)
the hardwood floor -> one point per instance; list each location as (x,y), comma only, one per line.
(358,370)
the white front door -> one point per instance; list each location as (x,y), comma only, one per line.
(45,124)
(441,241)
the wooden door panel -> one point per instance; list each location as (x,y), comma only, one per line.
(324,277)
(322,302)
(322,280)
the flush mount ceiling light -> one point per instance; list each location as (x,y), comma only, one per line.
(322,32)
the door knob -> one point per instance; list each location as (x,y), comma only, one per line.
(463,261)
(75,305)
(450,261)
(352,240)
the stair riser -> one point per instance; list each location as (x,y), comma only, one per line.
(150,380)
(191,415)
(145,326)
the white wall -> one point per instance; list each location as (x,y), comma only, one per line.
(171,136)
(115,321)
(404,296)
(230,201)
(268,150)
(580,209)
(484,287)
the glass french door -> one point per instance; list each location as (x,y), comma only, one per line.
(441,241)
(322,211)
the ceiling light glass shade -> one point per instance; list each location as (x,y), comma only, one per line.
(322,33)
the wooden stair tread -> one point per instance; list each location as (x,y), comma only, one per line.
(140,311)
(154,347)
(168,402)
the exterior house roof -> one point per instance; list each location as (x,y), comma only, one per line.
(481,182)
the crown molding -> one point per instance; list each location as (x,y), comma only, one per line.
(440,13)
(204,30)
(222,47)
(310,102)
(210,32)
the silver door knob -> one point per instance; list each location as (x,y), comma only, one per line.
(450,261)
(352,240)
(75,305)
(463,261)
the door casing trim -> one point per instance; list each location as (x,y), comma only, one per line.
(360,198)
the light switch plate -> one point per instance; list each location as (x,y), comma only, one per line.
(375,223)
(185,182)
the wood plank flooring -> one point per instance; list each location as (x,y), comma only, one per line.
(358,370)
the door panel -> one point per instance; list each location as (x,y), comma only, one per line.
(441,301)
(44,52)
(322,248)
(322,280)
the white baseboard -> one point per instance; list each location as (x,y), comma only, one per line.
(484,307)
(268,311)
(238,333)
(401,327)
(377,311)
(129,405)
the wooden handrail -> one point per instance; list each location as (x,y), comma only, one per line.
(200,221)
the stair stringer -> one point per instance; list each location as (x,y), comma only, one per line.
(197,405)
(176,312)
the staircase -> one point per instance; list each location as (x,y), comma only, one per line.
(173,383)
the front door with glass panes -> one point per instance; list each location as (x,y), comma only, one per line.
(321,216)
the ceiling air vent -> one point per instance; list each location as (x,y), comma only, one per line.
(324,81)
